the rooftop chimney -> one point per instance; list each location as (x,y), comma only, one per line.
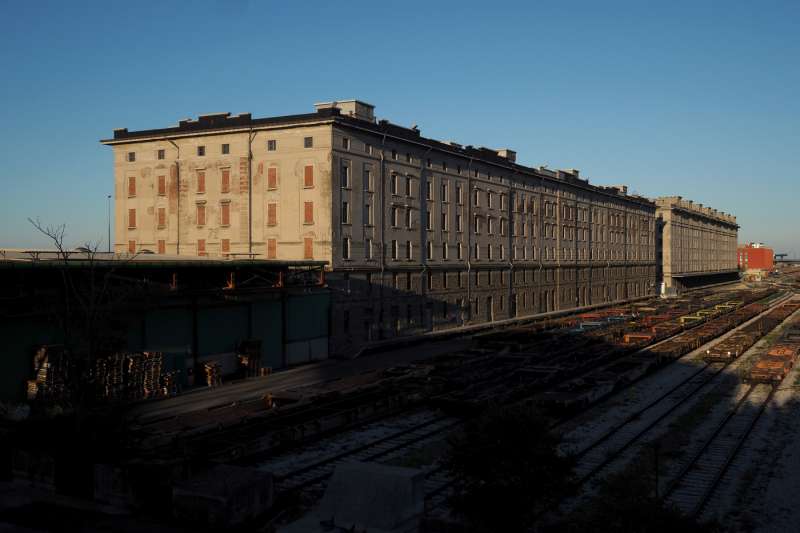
(505,153)
(351,108)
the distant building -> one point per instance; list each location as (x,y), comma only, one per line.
(697,244)
(755,256)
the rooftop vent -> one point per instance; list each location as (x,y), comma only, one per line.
(351,108)
(511,155)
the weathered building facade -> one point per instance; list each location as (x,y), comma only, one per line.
(697,244)
(419,235)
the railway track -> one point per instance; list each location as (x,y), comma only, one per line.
(437,483)
(700,476)
(614,444)
(390,442)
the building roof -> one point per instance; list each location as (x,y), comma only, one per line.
(224,122)
(43,258)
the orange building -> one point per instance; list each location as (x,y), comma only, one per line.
(755,256)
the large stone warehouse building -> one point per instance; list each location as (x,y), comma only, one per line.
(419,234)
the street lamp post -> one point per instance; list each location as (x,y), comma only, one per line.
(108,210)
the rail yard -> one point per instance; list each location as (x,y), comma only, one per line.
(614,383)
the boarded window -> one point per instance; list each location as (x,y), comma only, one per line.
(131,247)
(272,249)
(226,213)
(132,186)
(308,248)
(226,179)
(201,247)
(226,245)
(272,178)
(309,213)
(162,246)
(131,218)
(272,214)
(162,185)
(162,217)
(201,181)
(201,215)
(308,180)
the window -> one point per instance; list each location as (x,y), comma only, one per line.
(459,197)
(489,255)
(226,148)
(201,181)
(225,214)
(201,214)
(444,192)
(393,185)
(161,154)
(459,223)
(368,254)
(429,190)
(308,177)
(272,214)
(367,177)
(272,145)
(308,213)
(201,247)
(408,218)
(272,248)
(409,159)
(346,247)
(394,219)
(162,217)
(445,249)
(345,212)
(367,214)
(272,178)
(131,185)
(131,218)
(459,251)
(428,220)
(162,246)
(368,148)
(162,185)
(308,247)
(428,163)
(226,180)
(477,252)
(489,198)
(502,252)
(308,142)
(444,166)
(502,226)
(489,225)
(395,251)
(345,175)
(131,247)
(346,143)
(131,157)
(408,186)
(226,246)
(476,200)
(201,151)
(394,155)
(477,224)
(430,250)
(409,250)
(444,220)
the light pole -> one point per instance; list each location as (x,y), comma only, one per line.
(108,212)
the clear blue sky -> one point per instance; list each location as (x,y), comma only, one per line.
(699,99)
